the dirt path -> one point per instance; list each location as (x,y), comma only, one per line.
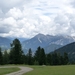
(20,72)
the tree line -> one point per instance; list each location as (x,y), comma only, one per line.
(17,56)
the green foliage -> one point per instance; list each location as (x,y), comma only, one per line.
(1,57)
(66,58)
(40,56)
(16,56)
(48,59)
(36,63)
(16,52)
(5,57)
(57,59)
(37,54)
(70,49)
(29,55)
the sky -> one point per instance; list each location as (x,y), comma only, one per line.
(27,18)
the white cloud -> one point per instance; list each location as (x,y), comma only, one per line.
(26,18)
(15,13)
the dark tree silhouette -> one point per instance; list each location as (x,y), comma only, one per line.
(29,55)
(16,52)
(1,57)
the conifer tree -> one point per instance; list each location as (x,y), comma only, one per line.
(37,55)
(65,58)
(16,52)
(48,59)
(5,57)
(29,55)
(42,57)
(1,57)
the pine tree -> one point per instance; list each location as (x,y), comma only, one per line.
(11,56)
(16,52)
(42,57)
(61,60)
(48,58)
(55,59)
(5,57)
(37,55)
(65,58)
(29,57)
(1,57)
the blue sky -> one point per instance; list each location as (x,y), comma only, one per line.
(27,18)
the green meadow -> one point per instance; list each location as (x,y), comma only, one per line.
(8,70)
(43,70)
(52,70)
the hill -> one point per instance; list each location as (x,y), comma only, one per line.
(51,48)
(69,49)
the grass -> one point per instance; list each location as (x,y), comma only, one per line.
(52,70)
(8,70)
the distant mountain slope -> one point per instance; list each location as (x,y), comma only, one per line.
(51,48)
(4,43)
(46,40)
(70,49)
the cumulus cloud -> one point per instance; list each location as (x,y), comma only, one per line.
(5,5)
(26,18)
(72,2)
(15,13)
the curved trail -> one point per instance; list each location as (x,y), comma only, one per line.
(20,72)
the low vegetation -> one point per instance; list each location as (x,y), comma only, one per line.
(8,70)
(52,70)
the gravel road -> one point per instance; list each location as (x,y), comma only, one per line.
(20,72)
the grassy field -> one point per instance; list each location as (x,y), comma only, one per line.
(52,70)
(8,70)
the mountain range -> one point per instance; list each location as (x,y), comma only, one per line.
(48,42)
(59,44)
(5,43)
